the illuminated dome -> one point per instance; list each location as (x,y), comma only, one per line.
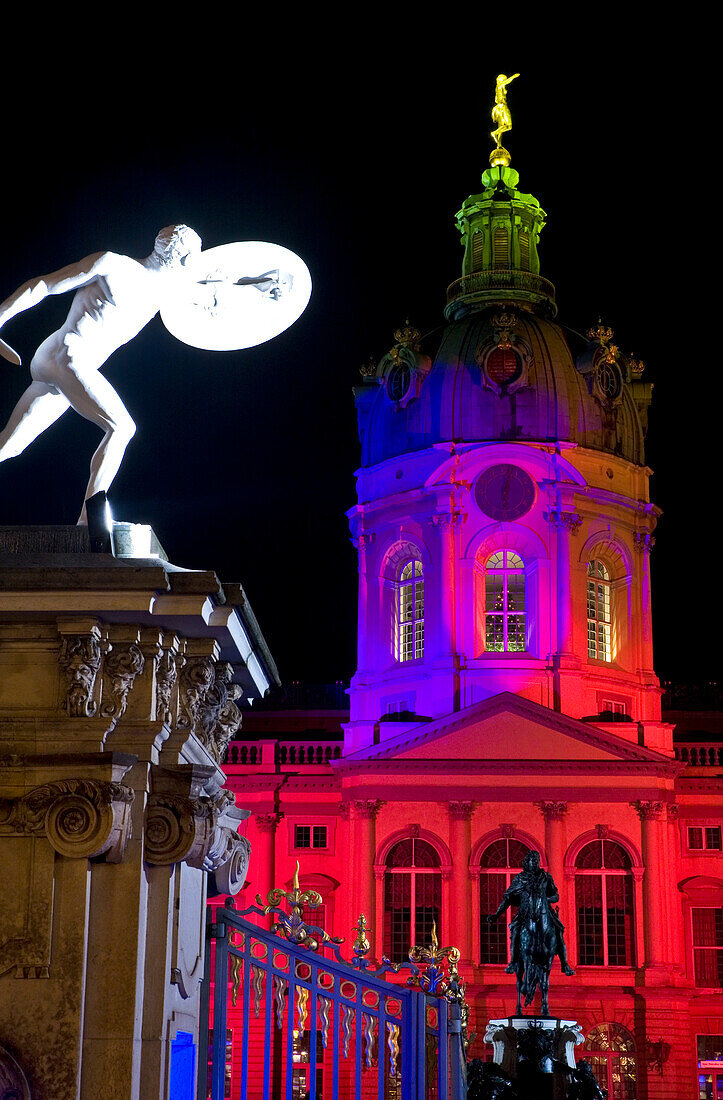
(504,369)
(532,391)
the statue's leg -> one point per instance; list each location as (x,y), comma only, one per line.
(562,952)
(511,967)
(93,397)
(39,407)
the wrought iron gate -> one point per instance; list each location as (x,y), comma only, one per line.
(288,1017)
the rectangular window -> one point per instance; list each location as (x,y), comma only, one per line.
(613,706)
(311,836)
(704,838)
(708,947)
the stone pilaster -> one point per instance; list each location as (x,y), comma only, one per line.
(460,842)
(364,814)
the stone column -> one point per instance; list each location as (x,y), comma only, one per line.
(264,856)
(654,900)
(460,842)
(365,811)
(554,813)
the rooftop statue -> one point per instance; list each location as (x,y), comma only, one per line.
(202,300)
(501,115)
(536,931)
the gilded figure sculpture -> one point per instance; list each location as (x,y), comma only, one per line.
(502,117)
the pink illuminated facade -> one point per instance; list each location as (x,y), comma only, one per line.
(505,696)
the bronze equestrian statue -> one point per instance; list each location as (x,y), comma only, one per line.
(536,931)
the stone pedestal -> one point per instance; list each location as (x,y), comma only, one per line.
(120,685)
(533,1052)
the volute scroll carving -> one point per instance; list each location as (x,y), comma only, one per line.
(81,818)
(201,832)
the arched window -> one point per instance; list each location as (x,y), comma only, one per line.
(412,897)
(604,905)
(409,635)
(610,1049)
(599,611)
(500,862)
(505,603)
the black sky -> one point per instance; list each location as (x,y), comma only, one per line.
(358,159)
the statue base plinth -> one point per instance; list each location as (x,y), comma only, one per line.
(534,1054)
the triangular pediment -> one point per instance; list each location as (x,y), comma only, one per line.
(507,727)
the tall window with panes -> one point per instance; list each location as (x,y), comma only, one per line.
(708,946)
(505,603)
(499,864)
(410,612)
(604,905)
(599,612)
(412,897)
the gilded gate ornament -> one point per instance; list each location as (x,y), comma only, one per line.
(292,925)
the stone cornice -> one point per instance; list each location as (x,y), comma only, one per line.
(668,770)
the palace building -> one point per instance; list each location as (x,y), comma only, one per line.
(505,696)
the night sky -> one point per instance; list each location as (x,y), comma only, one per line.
(357,160)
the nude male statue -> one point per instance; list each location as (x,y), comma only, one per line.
(115,297)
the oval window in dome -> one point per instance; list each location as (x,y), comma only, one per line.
(503,365)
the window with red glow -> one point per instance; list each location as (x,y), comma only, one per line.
(708,946)
(412,897)
(500,862)
(704,838)
(502,365)
(604,905)
(311,836)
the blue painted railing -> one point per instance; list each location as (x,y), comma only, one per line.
(390,1033)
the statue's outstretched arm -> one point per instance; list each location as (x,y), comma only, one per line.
(67,278)
(504,904)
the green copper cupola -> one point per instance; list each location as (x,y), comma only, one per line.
(500,230)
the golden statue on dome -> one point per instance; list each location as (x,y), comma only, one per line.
(501,115)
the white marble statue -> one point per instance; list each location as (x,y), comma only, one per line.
(115,297)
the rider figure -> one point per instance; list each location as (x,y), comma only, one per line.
(532,885)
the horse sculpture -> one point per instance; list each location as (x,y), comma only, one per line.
(536,932)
